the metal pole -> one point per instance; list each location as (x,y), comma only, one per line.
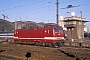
(57,11)
(16,24)
(81,25)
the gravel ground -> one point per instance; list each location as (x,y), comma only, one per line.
(19,52)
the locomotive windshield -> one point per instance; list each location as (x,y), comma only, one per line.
(58,31)
(61,31)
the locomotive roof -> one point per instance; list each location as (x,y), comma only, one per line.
(47,26)
(42,28)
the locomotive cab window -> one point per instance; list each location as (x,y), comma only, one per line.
(49,31)
(58,31)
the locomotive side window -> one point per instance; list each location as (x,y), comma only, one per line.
(49,31)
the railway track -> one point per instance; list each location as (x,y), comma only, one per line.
(85,44)
(77,53)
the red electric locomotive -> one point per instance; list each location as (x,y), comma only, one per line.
(49,35)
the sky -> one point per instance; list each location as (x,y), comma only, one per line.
(42,10)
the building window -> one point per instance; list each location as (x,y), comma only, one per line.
(74,22)
(79,23)
(69,29)
(84,23)
(71,22)
(72,28)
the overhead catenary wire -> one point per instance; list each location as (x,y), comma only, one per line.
(85,5)
(41,12)
(43,19)
(39,2)
(67,1)
(35,12)
(40,8)
(22,5)
(30,4)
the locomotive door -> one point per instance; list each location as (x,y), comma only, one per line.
(48,33)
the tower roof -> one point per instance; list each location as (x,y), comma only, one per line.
(75,19)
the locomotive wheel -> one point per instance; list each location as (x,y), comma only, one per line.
(59,44)
(43,44)
(37,44)
(56,45)
(50,45)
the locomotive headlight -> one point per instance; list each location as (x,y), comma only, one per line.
(45,31)
(58,34)
(62,37)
